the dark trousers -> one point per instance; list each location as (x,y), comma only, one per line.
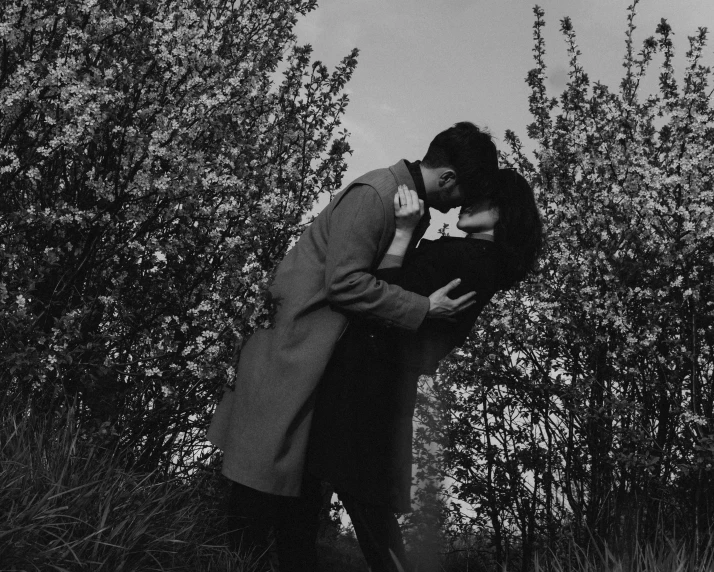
(295,524)
(378,534)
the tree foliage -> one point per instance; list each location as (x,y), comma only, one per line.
(582,404)
(152,174)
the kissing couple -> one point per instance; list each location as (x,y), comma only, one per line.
(366,307)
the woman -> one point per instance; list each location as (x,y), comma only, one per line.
(361,433)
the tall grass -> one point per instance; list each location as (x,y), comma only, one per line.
(69,504)
(633,556)
(666,557)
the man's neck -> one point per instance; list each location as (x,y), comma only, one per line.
(425,176)
(430,178)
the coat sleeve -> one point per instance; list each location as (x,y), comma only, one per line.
(357,225)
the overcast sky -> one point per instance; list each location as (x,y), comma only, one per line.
(426,64)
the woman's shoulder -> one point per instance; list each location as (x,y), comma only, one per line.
(458,244)
(473,259)
(457,252)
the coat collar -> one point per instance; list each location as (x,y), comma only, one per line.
(415,172)
(402,173)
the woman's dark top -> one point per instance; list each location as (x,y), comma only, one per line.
(361,433)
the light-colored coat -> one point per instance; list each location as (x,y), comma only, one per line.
(263,425)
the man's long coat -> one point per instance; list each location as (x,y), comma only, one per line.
(263,425)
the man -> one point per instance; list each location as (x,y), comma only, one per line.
(263,424)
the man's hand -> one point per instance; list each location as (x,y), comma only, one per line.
(441,306)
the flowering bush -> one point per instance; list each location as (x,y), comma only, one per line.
(583,401)
(152,176)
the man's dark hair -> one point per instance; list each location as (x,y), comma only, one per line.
(470,152)
(518,233)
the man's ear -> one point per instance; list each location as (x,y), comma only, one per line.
(447,178)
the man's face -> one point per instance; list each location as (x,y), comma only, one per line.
(447,197)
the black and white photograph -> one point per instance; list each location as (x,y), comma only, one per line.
(356,286)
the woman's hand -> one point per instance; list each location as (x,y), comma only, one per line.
(408,209)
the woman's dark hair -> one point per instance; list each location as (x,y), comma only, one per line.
(470,152)
(518,234)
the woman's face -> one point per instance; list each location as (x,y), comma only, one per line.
(479,217)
